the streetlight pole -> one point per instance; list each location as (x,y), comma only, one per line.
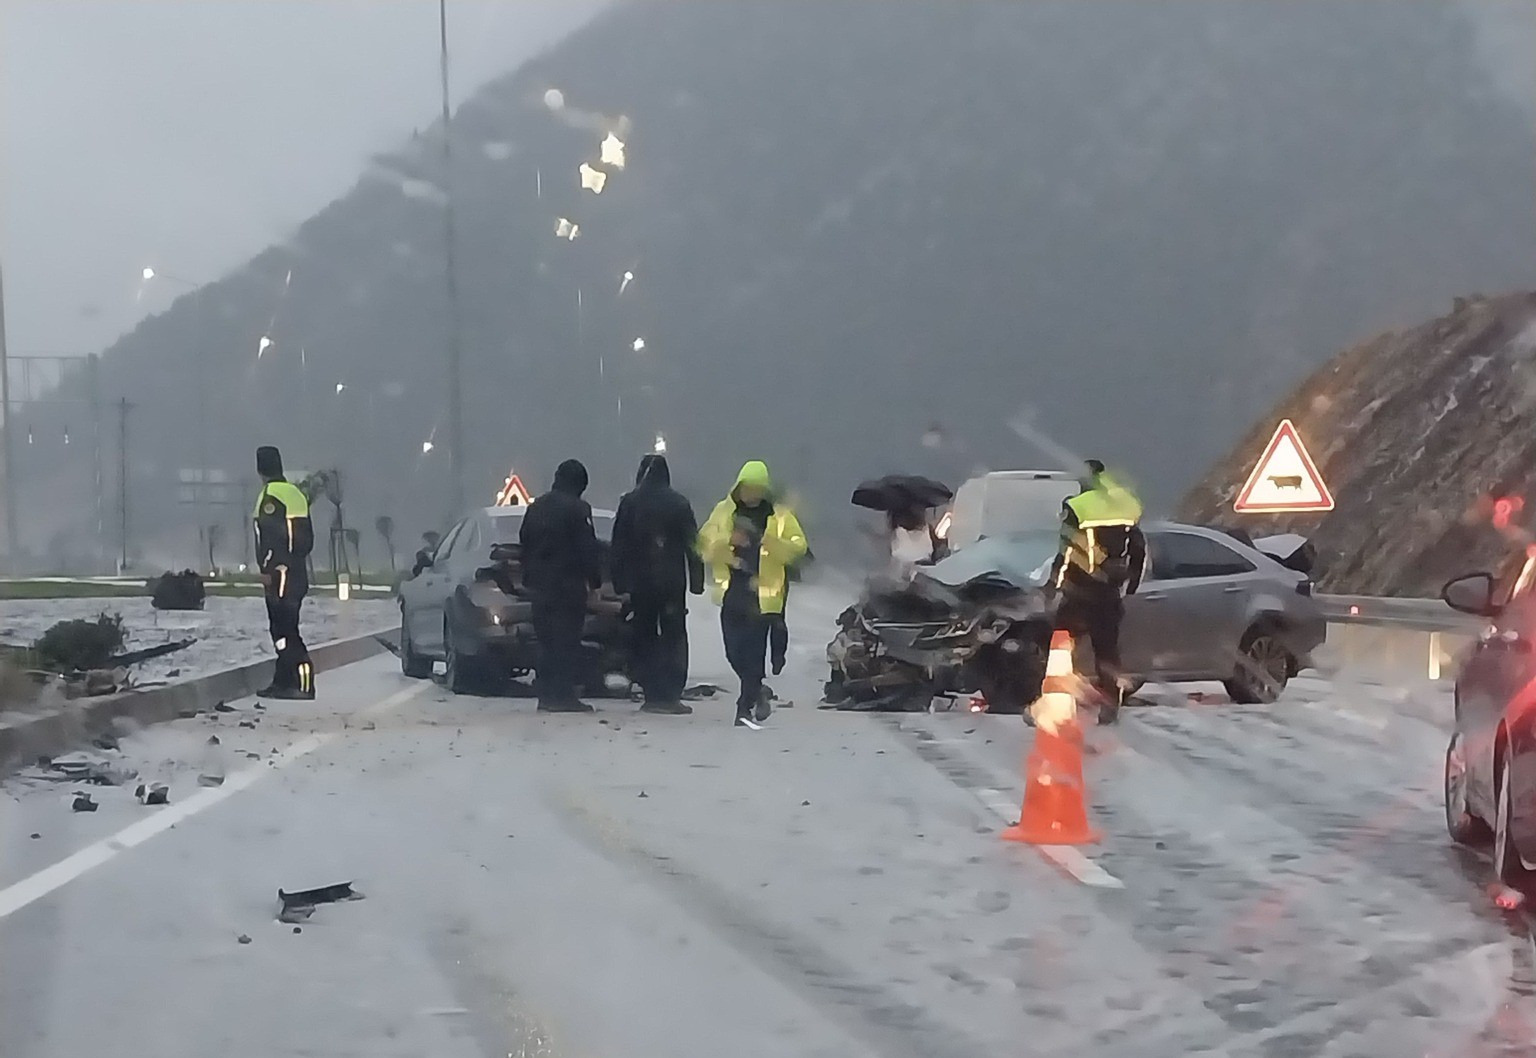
(455,354)
(7,449)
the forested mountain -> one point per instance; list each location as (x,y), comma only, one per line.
(849,220)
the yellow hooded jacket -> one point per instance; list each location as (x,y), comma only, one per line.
(783,543)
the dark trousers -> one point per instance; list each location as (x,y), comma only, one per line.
(746,644)
(293,670)
(659,629)
(778,640)
(557,623)
(1095,611)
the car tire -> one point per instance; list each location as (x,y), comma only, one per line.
(414,665)
(1464,827)
(1507,867)
(1264,667)
(462,673)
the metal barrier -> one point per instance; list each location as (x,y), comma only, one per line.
(1424,634)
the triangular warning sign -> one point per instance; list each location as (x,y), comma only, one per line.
(1285,479)
(513,493)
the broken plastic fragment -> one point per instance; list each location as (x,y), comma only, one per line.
(84,803)
(612,151)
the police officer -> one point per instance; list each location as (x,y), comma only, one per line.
(284,539)
(1102,558)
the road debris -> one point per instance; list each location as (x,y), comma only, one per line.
(80,767)
(84,803)
(300,904)
(153,794)
(700,691)
(223,707)
(244,938)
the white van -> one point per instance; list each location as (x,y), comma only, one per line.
(1005,502)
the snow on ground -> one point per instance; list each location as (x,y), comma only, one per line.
(229,633)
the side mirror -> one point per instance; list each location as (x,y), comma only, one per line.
(1471,594)
(423,561)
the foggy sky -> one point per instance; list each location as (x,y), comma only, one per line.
(188,135)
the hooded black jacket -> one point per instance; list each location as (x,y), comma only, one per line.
(561,560)
(655,536)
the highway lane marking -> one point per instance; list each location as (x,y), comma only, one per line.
(1068,857)
(36,886)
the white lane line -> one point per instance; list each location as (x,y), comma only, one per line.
(36,886)
(1067,857)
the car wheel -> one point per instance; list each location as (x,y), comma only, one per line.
(411,663)
(1464,827)
(1264,667)
(463,674)
(1506,858)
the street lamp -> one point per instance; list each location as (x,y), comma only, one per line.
(340,386)
(426,446)
(263,345)
(629,277)
(638,345)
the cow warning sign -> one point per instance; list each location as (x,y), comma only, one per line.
(1285,479)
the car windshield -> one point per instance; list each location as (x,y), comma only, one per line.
(1023,558)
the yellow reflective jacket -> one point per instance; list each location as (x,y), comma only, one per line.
(783,544)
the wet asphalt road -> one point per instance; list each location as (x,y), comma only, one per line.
(1274,883)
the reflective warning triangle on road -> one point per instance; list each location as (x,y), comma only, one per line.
(1285,479)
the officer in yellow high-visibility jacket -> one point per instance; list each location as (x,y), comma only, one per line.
(749,543)
(1102,559)
(284,539)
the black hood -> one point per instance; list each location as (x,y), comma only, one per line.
(653,471)
(571,477)
(269,462)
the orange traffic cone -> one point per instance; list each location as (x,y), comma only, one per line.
(1054,811)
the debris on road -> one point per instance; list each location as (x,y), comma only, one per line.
(251,724)
(644,794)
(700,691)
(297,906)
(153,794)
(79,767)
(107,741)
(243,938)
(210,780)
(223,707)
(159,650)
(84,803)
(35,835)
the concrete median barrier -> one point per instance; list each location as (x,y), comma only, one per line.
(56,727)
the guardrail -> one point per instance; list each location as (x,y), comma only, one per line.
(1424,615)
(1423,634)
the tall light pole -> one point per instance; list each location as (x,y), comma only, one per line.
(7,456)
(455,355)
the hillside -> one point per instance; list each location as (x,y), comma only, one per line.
(1417,433)
(1142,221)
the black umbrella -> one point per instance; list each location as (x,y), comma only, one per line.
(901,492)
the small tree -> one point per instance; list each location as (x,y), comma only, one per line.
(386,527)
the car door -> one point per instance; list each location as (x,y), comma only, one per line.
(1190,612)
(1493,681)
(422,597)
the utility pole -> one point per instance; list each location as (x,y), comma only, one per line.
(455,383)
(123,408)
(94,370)
(7,447)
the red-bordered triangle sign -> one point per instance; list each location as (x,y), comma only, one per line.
(513,493)
(1285,479)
